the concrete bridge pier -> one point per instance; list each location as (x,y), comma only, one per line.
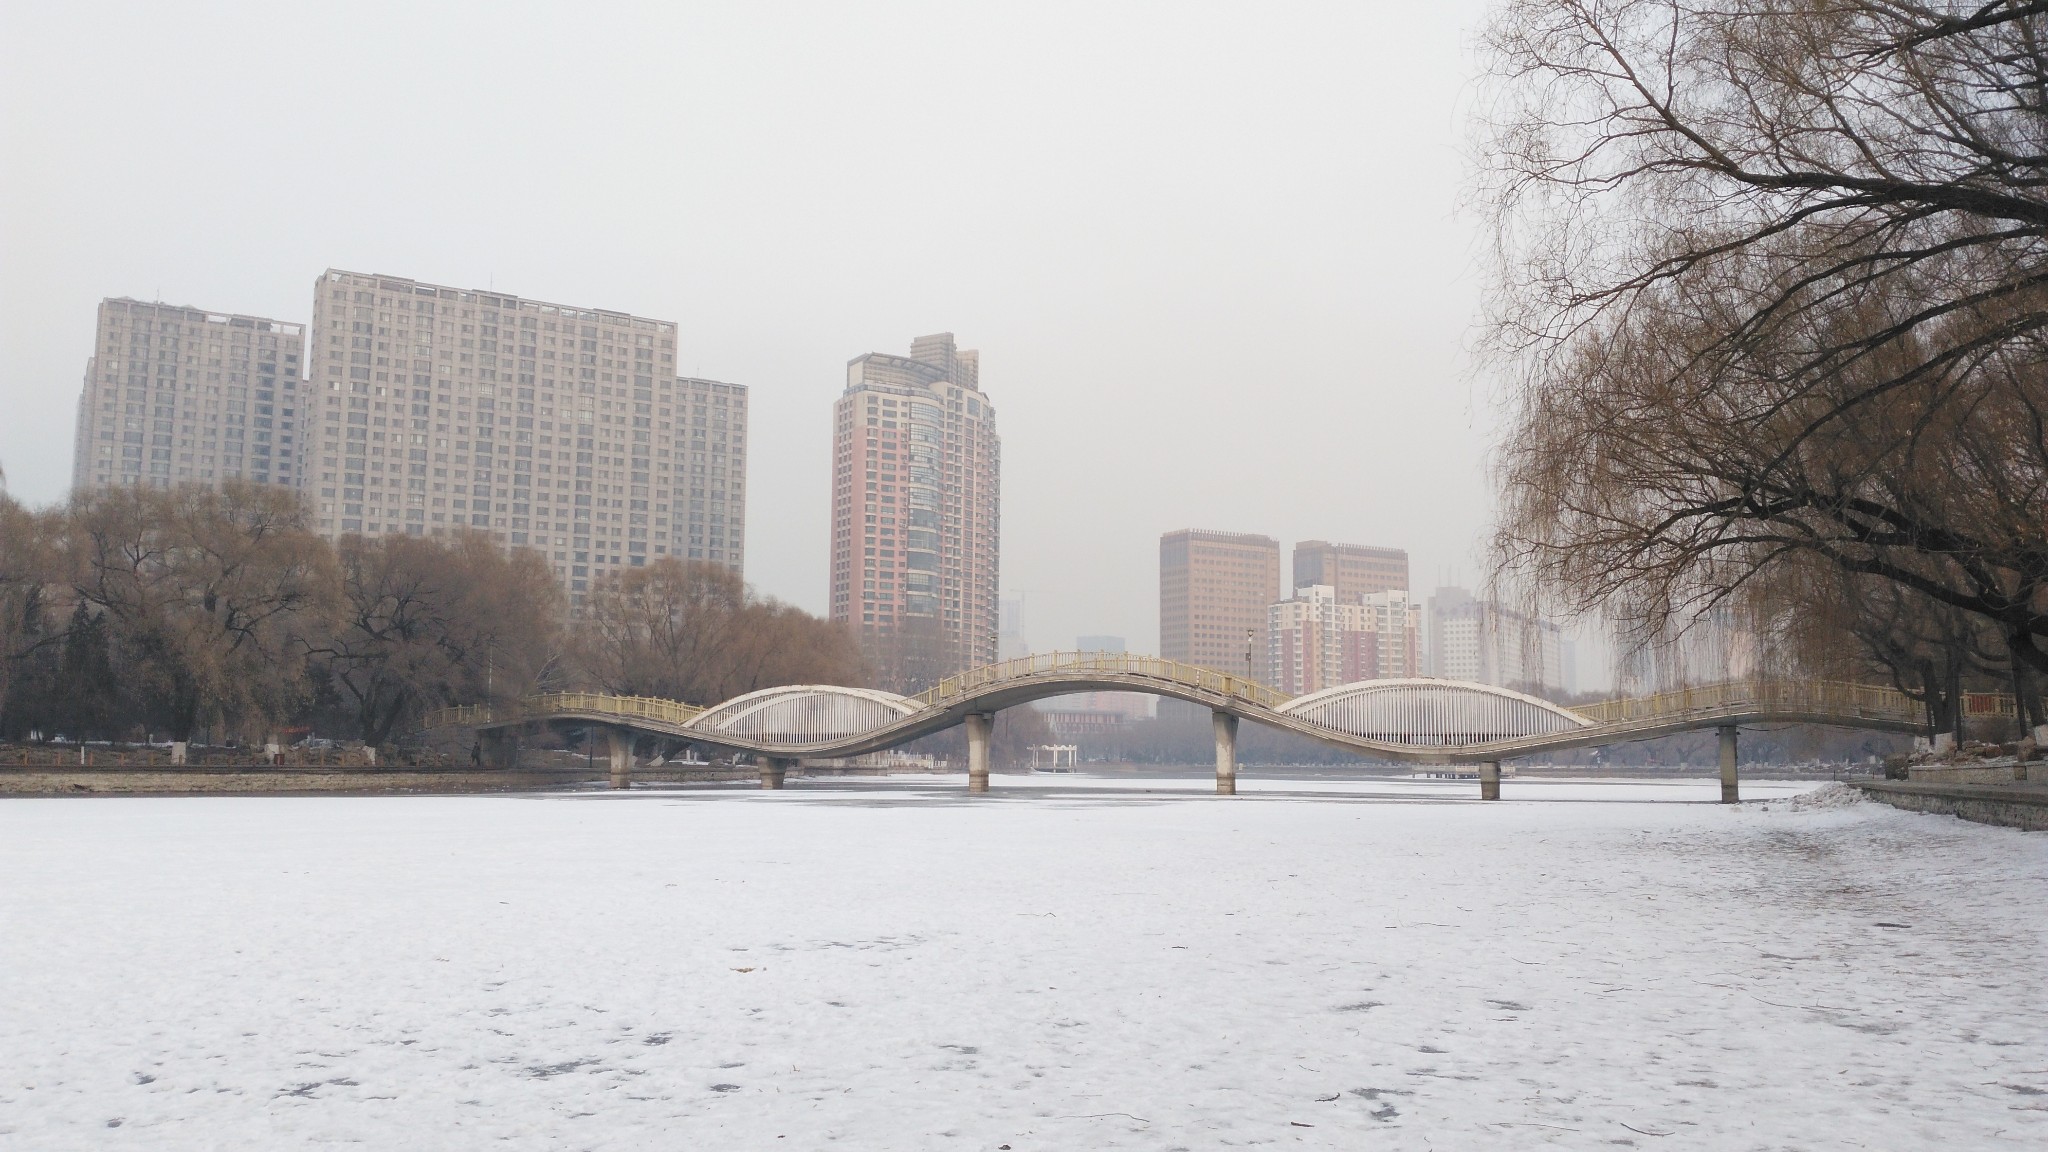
(774,771)
(978,728)
(1489,780)
(1731,790)
(1226,752)
(619,744)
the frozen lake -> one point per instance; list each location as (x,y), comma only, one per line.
(1063,964)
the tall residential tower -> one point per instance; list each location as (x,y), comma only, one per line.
(560,428)
(916,511)
(177,395)
(1214,592)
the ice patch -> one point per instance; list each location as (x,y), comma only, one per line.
(1189,972)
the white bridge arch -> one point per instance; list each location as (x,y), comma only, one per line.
(1430,712)
(804,714)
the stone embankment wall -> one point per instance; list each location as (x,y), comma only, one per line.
(2001,771)
(123,781)
(2011,805)
(202,781)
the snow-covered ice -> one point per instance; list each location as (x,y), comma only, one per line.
(1083,963)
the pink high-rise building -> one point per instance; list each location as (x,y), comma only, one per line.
(916,514)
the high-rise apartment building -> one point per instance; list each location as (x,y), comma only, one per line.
(1316,641)
(559,428)
(1457,624)
(178,395)
(709,509)
(1214,592)
(916,513)
(1354,571)
(1395,620)
(1478,640)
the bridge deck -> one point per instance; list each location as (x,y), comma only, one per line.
(1013,683)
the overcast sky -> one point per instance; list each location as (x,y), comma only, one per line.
(1212,255)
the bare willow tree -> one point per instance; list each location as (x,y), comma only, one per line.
(1774,281)
(1849,625)
(27,580)
(690,630)
(208,596)
(419,622)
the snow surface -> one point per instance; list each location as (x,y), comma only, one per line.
(1079,963)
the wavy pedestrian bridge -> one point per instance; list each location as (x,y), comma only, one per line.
(1423,721)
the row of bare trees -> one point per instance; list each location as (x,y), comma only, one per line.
(1772,280)
(192,610)
(693,632)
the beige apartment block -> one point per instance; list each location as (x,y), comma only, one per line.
(554,427)
(1354,571)
(916,508)
(1214,592)
(710,505)
(179,395)
(1314,640)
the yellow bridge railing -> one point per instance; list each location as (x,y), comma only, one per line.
(1816,697)
(557,703)
(1150,667)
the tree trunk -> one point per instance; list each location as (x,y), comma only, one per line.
(2025,703)
(2026,695)
(184,716)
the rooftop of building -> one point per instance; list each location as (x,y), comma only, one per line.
(1221,537)
(208,316)
(493,298)
(1373,549)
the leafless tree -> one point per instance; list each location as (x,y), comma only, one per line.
(208,595)
(1774,279)
(1852,626)
(418,622)
(690,631)
(27,581)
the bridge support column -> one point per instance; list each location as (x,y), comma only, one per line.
(1226,752)
(1731,790)
(1489,780)
(978,727)
(619,743)
(773,771)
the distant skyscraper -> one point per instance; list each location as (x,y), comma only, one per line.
(1010,642)
(1456,620)
(559,428)
(916,513)
(1474,639)
(1352,570)
(177,395)
(1214,590)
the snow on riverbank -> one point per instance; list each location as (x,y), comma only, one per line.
(1063,964)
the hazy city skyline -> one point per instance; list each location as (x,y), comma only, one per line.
(1215,263)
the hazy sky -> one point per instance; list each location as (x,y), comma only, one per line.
(1212,255)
